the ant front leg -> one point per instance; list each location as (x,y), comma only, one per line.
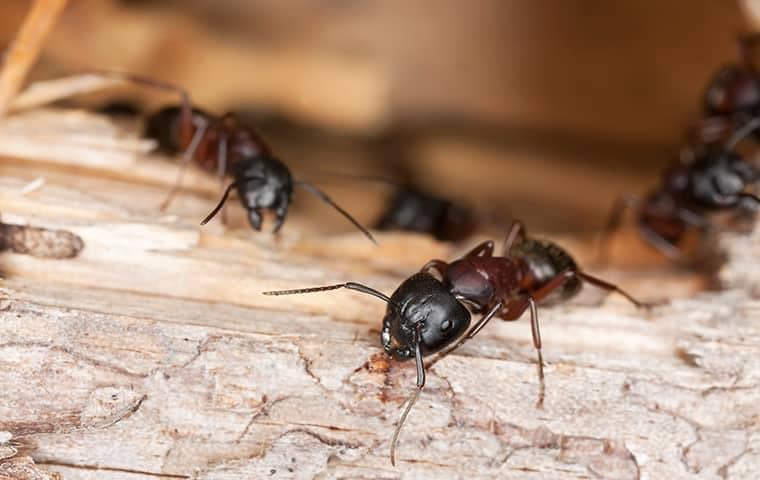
(485,249)
(516,235)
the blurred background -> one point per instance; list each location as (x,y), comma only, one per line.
(542,110)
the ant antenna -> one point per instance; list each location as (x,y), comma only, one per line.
(413,398)
(323,196)
(224,197)
(349,285)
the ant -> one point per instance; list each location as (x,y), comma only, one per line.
(413,210)
(732,96)
(426,315)
(708,179)
(262,181)
(225,145)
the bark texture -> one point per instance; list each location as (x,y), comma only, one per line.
(152,353)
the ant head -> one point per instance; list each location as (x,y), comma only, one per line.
(422,299)
(263,183)
(732,89)
(718,175)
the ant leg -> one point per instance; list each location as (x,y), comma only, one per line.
(515,311)
(413,398)
(659,242)
(693,219)
(536,332)
(622,204)
(485,249)
(742,133)
(598,282)
(438,265)
(187,157)
(186,122)
(516,232)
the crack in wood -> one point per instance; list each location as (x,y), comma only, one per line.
(101,468)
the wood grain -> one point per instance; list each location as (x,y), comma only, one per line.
(152,353)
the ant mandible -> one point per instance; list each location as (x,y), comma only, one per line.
(262,181)
(426,315)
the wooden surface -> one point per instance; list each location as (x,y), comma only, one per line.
(152,353)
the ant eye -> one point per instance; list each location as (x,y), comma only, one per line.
(446,325)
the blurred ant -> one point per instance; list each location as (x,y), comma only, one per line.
(732,97)
(708,179)
(426,315)
(412,210)
(225,145)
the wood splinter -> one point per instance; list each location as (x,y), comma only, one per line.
(39,242)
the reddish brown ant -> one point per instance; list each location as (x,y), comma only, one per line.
(223,144)
(426,315)
(226,146)
(708,179)
(732,97)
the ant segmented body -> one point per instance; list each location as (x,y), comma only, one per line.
(713,179)
(412,210)
(426,315)
(225,145)
(262,181)
(732,97)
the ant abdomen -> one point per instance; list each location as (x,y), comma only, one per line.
(733,89)
(545,261)
(164,127)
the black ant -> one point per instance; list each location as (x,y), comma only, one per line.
(707,179)
(223,144)
(426,315)
(413,210)
(262,181)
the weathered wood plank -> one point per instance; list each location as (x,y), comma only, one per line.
(152,354)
